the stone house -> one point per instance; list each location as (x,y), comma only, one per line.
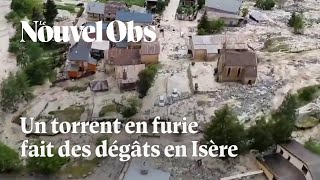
(97,11)
(127,76)
(150,52)
(227,10)
(111,9)
(291,161)
(207,47)
(237,66)
(80,61)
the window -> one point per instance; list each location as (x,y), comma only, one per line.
(289,158)
(304,170)
(281,152)
(229,71)
(239,70)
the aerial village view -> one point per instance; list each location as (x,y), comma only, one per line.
(247,71)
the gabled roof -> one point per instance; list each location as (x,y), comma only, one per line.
(150,48)
(281,168)
(122,56)
(80,51)
(124,16)
(113,7)
(244,58)
(231,6)
(99,85)
(95,7)
(307,157)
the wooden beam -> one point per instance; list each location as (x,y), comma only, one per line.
(242,175)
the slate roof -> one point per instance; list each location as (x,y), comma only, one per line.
(212,43)
(310,159)
(230,6)
(125,16)
(80,51)
(121,56)
(95,7)
(235,58)
(281,168)
(113,7)
(150,48)
(99,85)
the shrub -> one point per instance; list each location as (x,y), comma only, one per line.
(265,4)
(9,159)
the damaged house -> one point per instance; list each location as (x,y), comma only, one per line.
(237,66)
(97,11)
(207,47)
(290,161)
(126,65)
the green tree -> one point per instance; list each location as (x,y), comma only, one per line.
(298,25)
(145,80)
(46,165)
(292,20)
(50,12)
(201,3)
(216,26)
(37,72)
(204,23)
(283,120)
(9,159)
(260,136)
(225,129)
(132,107)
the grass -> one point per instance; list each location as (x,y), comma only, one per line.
(110,108)
(307,94)
(313,146)
(67,7)
(80,167)
(276,45)
(69,114)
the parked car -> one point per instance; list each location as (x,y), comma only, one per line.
(162,102)
(175,93)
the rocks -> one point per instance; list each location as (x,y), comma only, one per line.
(308,115)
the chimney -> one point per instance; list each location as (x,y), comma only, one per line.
(124,75)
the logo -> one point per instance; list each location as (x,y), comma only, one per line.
(116,31)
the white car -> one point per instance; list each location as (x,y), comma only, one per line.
(175,93)
(162,102)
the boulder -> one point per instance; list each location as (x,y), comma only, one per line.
(307,122)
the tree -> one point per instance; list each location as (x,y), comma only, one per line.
(216,26)
(36,16)
(37,72)
(50,12)
(9,159)
(225,129)
(298,25)
(132,107)
(46,165)
(260,136)
(204,23)
(201,3)
(283,120)
(13,89)
(292,20)
(145,80)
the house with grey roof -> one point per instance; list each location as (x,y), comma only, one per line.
(95,10)
(226,10)
(207,47)
(138,18)
(291,161)
(80,61)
